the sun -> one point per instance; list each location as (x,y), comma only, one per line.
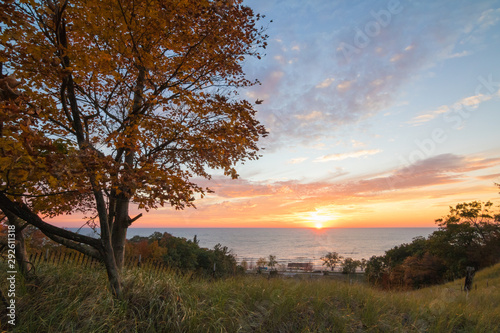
(319,218)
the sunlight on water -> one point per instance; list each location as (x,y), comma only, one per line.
(296,245)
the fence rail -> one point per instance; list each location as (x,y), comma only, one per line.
(63,257)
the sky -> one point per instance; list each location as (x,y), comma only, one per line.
(380,113)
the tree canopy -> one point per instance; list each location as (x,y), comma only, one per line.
(122,102)
(331,259)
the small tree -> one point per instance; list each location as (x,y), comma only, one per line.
(349,266)
(375,269)
(272,262)
(362,264)
(261,262)
(331,259)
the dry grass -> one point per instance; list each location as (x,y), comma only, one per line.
(74,299)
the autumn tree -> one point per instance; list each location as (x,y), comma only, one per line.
(423,271)
(122,102)
(261,262)
(331,259)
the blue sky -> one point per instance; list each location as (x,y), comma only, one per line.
(380,113)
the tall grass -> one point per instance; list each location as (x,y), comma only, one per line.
(72,299)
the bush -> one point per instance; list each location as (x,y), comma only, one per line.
(184,255)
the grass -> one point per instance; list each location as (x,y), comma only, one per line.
(74,299)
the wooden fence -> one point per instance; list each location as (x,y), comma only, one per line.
(69,257)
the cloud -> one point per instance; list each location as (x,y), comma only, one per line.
(356,143)
(344,86)
(326,83)
(437,170)
(310,116)
(281,203)
(471,102)
(491,176)
(343,156)
(459,54)
(441,169)
(489,18)
(297,160)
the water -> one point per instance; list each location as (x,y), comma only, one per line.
(295,245)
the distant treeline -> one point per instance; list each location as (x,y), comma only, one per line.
(468,237)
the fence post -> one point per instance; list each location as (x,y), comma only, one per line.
(468,278)
(87,262)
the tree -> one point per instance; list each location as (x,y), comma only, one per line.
(423,271)
(468,236)
(122,103)
(272,262)
(478,217)
(349,266)
(375,269)
(331,259)
(261,262)
(362,264)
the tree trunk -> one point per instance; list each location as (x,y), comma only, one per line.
(122,220)
(20,254)
(112,271)
(120,226)
(107,252)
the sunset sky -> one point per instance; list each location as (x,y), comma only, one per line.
(380,113)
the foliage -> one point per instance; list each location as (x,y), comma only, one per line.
(349,266)
(331,259)
(362,264)
(376,267)
(468,236)
(261,262)
(272,261)
(184,255)
(121,103)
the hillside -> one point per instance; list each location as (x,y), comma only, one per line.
(73,299)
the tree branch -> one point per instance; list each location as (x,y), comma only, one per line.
(132,220)
(85,249)
(24,212)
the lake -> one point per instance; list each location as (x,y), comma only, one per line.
(297,244)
